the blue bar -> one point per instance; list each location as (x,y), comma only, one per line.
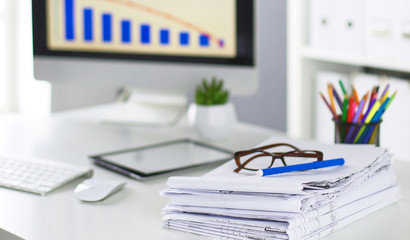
(106,21)
(88,24)
(145,33)
(184,38)
(164,36)
(126,31)
(203,40)
(69,19)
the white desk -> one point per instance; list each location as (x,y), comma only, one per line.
(134,212)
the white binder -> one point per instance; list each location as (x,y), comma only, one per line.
(349,26)
(381,27)
(402,51)
(322,24)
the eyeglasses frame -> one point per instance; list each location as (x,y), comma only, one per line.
(275,155)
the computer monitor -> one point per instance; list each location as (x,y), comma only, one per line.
(148,44)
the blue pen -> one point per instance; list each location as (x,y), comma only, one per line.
(301,167)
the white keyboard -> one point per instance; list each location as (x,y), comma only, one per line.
(37,175)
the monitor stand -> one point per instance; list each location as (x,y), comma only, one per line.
(147,108)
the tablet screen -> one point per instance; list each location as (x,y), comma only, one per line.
(164,157)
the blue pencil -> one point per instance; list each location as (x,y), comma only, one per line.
(375,118)
(301,167)
(338,100)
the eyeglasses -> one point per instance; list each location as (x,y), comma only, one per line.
(263,157)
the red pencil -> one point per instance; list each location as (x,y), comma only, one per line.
(351,109)
(372,93)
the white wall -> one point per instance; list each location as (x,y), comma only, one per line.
(33,97)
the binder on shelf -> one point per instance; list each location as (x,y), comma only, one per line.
(381,22)
(349,27)
(322,24)
(403,47)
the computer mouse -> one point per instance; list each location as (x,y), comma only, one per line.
(97,189)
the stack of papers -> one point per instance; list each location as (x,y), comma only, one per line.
(296,205)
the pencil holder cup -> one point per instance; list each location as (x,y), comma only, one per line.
(357,133)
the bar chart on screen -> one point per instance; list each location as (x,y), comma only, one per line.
(178,27)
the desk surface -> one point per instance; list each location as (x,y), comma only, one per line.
(134,212)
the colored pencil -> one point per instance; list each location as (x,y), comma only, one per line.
(373,92)
(391,100)
(371,103)
(344,118)
(351,109)
(330,108)
(385,91)
(384,97)
(356,98)
(365,100)
(376,92)
(373,137)
(342,87)
(332,102)
(375,119)
(355,120)
(338,100)
(345,105)
(375,107)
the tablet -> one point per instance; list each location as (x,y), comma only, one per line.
(152,160)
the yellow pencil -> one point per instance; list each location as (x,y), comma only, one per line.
(331,98)
(369,117)
(373,137)
(384,96)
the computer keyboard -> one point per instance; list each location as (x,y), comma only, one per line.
(37,175)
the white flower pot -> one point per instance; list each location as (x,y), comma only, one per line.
(213,122)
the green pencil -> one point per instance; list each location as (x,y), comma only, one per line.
(342,86)
(391,100)
(344,119)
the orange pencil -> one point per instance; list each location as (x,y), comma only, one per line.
(331,98)
(365,100)
(356,98)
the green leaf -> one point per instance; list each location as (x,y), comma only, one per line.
(211,92)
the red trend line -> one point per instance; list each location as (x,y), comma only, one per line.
(165,15)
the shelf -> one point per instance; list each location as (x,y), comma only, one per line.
(355,60)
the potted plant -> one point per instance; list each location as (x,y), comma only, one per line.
(213,114)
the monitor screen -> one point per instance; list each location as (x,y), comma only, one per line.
(141,42)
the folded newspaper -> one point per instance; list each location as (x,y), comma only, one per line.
(296,205)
